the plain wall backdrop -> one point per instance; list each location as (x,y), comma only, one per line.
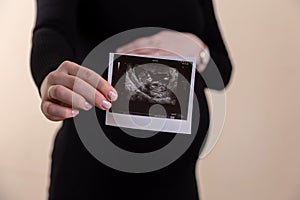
(257,155)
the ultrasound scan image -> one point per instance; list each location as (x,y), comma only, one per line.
(146,82)
(151,82)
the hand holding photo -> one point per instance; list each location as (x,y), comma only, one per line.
(155,93)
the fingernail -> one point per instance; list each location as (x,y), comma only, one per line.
(75,113)
(113,96)
(106,104)
(87,105)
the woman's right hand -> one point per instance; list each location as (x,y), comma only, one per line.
(61,100)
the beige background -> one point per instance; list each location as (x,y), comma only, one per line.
(257,156)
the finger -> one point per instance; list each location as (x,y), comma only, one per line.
(92,78)
(144,51)
(84,89)
(68,97)
(154,52)
(56,112)
(162,52)
(136,44)
(89,76)
(101,102)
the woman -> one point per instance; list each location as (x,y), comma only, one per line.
(65,32)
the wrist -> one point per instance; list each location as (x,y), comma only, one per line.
(201,53)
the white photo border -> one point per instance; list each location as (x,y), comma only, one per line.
(148,122)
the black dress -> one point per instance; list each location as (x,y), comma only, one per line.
(69,30)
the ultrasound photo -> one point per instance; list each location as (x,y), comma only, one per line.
(151,83)
(154,87)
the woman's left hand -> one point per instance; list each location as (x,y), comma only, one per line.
(168,43)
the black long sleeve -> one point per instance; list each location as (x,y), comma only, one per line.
(54,36)
(218,71)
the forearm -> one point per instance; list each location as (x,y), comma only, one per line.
(49,50)
(218,71)
(53,37)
